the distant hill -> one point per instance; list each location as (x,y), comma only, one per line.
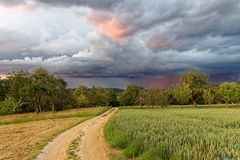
(117,90)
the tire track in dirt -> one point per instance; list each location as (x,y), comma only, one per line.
(92,146)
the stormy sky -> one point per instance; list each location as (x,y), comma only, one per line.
(112,43)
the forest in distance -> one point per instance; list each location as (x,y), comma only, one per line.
(40,90)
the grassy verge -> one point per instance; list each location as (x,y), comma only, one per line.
(28,117)
(175,134)
(116,138)
(204,106)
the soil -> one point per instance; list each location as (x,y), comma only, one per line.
(92,146)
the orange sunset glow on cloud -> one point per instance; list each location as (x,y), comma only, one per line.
(28,6)
(108,24)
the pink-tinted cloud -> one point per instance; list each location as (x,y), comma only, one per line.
(107,23)
(157,43)
(23,7)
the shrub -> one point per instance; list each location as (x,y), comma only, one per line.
(9,106)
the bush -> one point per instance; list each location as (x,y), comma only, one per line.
(10,106)
(154,97)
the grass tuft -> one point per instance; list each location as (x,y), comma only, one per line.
(73,150)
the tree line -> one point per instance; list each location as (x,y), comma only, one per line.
(193,88)
(34,92)
(39,91)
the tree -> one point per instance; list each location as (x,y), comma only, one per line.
(229,92)
(18,83)
(96,96)
(39,87)
(154,97)
(101,96)
(182,93)
(208,96)
(56,89)
(3,88)
(236,96)
(197,81)
(38,90)
(130,96)
(81,94)
(10,106)
(109,96)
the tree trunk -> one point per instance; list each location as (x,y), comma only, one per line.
(38,105)
(36,109)
(194,103)
(40,108)
(53,106)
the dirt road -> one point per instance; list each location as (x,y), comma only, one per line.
(92,147)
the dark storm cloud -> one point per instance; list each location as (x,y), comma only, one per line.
(136,38)
(183,18)
(91,3)
(178,18)
(12,43)
(132,59)
(13,2)
(67,3)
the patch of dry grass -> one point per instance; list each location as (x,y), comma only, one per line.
(22,136)
(26,117)
(22,141)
